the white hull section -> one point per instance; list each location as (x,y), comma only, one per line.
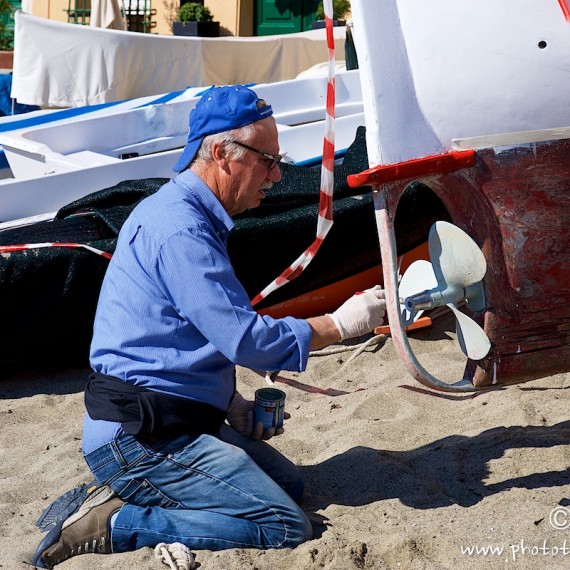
(433,71)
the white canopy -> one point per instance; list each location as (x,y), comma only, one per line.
(66,65)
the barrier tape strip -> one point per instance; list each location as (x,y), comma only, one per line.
(22,247)
(565,5)
(325,218)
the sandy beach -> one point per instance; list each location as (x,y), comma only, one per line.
(396,477)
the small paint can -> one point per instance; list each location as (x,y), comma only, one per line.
(269,407)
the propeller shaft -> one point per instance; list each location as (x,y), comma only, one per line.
(434,298)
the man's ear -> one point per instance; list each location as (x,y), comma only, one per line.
(221,157)
(219,154)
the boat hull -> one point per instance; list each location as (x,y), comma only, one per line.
(523,230)
(514,201)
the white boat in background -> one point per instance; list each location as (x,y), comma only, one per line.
(35,119)
(57,163)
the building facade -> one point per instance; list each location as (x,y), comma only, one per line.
(236,17)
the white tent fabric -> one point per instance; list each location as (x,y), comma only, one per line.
(65,65)
(106,14)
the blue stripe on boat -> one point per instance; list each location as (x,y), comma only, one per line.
(27,122)
(317,160)
(163,99)
(51,117)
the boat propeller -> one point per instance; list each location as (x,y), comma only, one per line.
(454,275)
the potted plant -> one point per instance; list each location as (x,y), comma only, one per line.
(195,19)
(340,10)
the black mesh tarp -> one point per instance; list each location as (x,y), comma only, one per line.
(48,296)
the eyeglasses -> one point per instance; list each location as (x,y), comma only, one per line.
(274,159)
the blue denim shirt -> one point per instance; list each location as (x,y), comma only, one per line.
(172,315)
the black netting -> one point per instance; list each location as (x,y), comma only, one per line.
(49,295)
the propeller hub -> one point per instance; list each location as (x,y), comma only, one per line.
(434,298)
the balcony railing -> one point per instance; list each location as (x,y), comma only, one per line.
(138,14)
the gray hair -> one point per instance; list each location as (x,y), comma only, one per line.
(243,134)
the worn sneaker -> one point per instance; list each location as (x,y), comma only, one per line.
(88,530)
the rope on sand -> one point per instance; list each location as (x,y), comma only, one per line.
(177,556)
(357,348)
(360,348)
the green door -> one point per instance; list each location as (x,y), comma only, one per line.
(284,16)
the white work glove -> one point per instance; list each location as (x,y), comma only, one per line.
(240,417)
(360,314)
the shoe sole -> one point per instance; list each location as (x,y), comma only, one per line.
(65,506)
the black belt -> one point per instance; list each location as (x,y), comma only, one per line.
(148,413)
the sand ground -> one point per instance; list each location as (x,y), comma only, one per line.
(397,477)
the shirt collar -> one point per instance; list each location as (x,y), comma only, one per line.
(213,207)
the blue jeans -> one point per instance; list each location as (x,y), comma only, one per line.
(207,492)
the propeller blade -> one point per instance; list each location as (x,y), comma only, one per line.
(418,277)
(472,338)
(456,258)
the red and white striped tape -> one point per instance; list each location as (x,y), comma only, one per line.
(565,5)
(24,246)
(325,218)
